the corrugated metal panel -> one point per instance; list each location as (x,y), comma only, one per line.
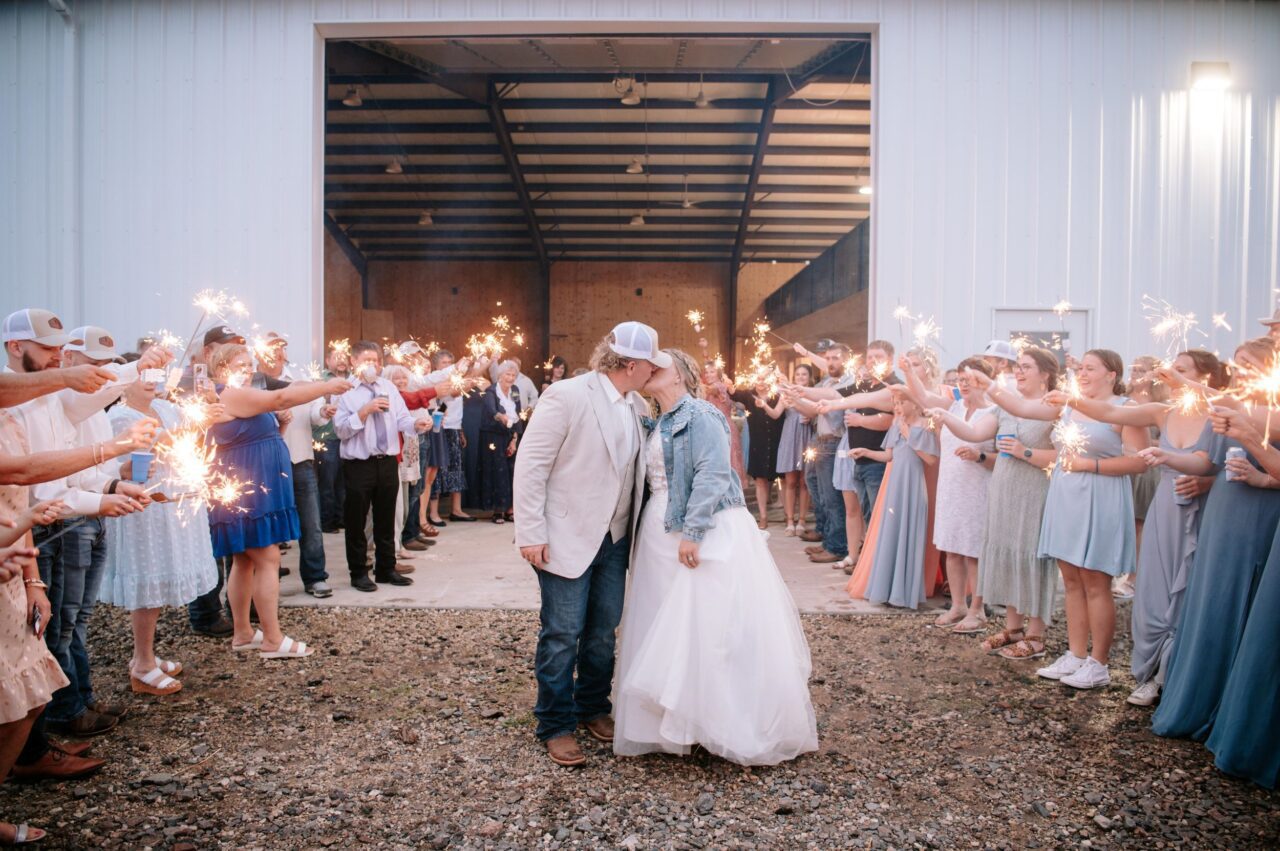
(1025,153)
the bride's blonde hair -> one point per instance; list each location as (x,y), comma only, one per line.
(688,370)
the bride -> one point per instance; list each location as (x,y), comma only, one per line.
(712,651)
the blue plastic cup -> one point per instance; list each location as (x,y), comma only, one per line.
(1000,437)
(141,466)
(437,421)
(955,393)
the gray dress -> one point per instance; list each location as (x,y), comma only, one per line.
(1010,569)
(796,437)
(1168,548)
(897,571)
(1088,518)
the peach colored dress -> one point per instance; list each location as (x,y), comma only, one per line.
(718,395)
(29,675)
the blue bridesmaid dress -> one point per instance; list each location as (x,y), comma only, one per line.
(253,451)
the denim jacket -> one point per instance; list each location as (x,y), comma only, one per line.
(695,454)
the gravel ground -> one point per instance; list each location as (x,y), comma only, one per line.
(411,729)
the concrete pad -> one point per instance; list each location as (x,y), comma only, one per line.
(477,566)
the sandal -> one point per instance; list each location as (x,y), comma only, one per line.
(428,530)
(253,644)
(154,682)
(971,625)
(1003,638)
(949,618)
(1031,647)
(288,649)
(24,834)
(790,530)
(173,669)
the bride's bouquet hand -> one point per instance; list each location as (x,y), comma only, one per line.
(689,554)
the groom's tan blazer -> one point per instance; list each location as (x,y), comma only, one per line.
(569,472)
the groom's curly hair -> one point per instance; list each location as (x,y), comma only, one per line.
(605,359)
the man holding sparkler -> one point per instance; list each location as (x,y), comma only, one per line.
(337,364)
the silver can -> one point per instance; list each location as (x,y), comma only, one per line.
(1179,499)
(1235,452)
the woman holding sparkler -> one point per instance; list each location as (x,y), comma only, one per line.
(1235,542)
(764,430)
(159,557)
(1088,514)
(1173,523)
(1012,573)
(715,389)
(252,458)
(797,433)
(558,370)
(501,424)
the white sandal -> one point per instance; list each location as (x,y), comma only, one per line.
(790,530)
(166,666)
(254,643)
(25,834)
(154,682)
(289,649)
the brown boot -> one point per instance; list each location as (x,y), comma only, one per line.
(88,723)
(810,536)
(56,765)
(72,748)
(824,557)
(601,728)
(564,750)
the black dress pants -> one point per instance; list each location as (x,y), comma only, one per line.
(371,483)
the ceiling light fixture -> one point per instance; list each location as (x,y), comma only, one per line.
(352,97)
(701,101)
(394,167)
(630,97)
(425,219)
(636,167)
(864,190)
(1210,76)
(637,220)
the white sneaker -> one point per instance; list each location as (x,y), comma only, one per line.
(1092,674)
(1067,664)
(1145,694)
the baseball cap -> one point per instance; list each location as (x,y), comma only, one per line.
(95,342)
(36,325)
(1273,320)
(276,339)
(638,341)
(1001,349)
(822,345)
(222,334)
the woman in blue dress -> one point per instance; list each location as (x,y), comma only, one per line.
(797,434)
(250,450)
(897,573)
(1235,540)
(1172,521)
(1246,734)
(1088,513)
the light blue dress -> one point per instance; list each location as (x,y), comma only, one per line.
(1088,518)
(1168,548)
(1246,734)
(796,437)
(161,556)
(897,571)
(1235,543)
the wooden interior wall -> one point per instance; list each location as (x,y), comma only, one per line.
(589,298)
(342,307)
(756,282)
(845,322)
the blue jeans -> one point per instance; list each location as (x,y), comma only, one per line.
(866,484)
(306,495)
(329,481)
(579,620)
(205,610)
(81,556)
(411,526)
(828,503)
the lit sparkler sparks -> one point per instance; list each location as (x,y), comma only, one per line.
(518,339)
(696,318)
(341,347)
(1220,321)
(810,454)
(313,372)
(1070,439)
(762,369)
(902,314)
(1189,402)
(925,332)
(195,411)
(318,446)
(1169,326)
(1021,342)
(1062,308)
(501,323)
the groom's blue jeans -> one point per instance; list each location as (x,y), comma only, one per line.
(579,620)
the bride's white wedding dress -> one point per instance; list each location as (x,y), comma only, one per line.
(714,656)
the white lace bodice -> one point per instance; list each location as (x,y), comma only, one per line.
(655,464)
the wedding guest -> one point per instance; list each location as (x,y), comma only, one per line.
(1088,515)
(451,481)
(1272,324)
(764,431)
(820,477)
(368,419)
(796,436)
(1164,561)
(408,466)
(964,473)
(1246,736)
(558,372)
(500,427)
(251,449)
(159,557)
(897,573)
(716,390)
(528,390)
(1011,571)
(1000,355)
(1236,533)
(328,462)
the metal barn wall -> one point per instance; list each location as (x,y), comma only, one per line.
(1024,152)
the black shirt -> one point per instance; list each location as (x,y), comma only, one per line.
(861,437)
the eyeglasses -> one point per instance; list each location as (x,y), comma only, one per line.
(1017,367)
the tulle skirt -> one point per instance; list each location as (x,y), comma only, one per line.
(713,656)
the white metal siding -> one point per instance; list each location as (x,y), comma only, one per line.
(1024,152)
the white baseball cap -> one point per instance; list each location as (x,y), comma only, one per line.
(36,325)
(1001,349)
(638,341)
(95,342)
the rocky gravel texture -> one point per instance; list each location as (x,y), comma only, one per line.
(412,729)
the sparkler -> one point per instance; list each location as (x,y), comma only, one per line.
(1189,402)
(313,372)
(902,315)
(1021,342)
(1071,440)
(925,332)
(341,347)
(695,318)
(1220,321)
(762,369)
(318,446)
(1168,324)
(810,454)
(518,339)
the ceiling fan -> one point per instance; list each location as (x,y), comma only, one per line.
(684,203)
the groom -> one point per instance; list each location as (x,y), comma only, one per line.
(579,480)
